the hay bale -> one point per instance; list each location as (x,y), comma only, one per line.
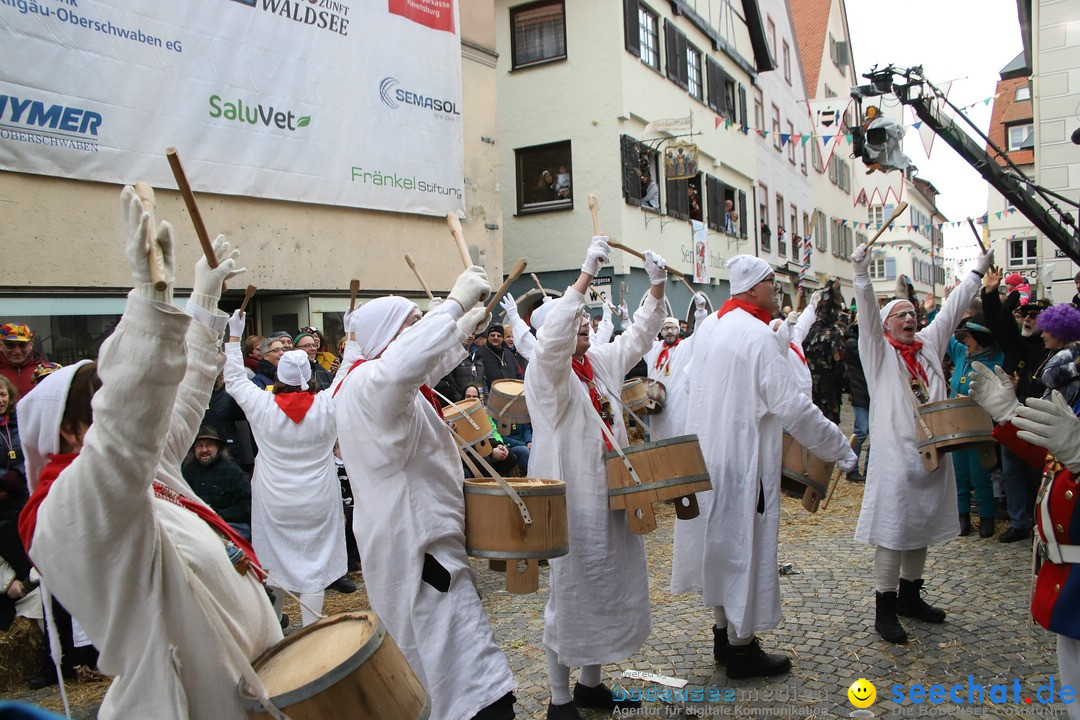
(20,649)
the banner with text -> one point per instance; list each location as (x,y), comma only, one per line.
(337,102)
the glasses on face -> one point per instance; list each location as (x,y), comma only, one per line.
(306,346)
(903,315)
(275,351)
(11,345)
(774,283)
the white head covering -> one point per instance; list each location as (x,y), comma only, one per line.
(294,368)
(376,323)
(540,314)
(746,272)
(670,321)
(39,415)
(888,309)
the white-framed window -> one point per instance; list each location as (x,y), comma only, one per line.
(771,26)
(877,269)
(787,62)
(1021,137)
(759,109)
(776,127)
(791,143)
(539,34)
(1023,93)
(875,214)
(649,37)
(693,73)
(1023,252)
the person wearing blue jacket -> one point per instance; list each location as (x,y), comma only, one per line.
(972,341)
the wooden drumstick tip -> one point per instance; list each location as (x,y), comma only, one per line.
(248,294)
(594,209)
(354,289)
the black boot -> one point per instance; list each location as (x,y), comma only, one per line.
(563,712)
(885,620)
(720,645)
(986,527)
(965,524)
(600,697)
(746,661)
(909,603)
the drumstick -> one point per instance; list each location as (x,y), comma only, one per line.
(635,253)
(978,237)
(537,281)
(836,478)
(896,213)
(455,230)
(594,208)
(354,288)
(192,208)
(515,273)
(409,260)
(689,287)
(153,251)
(248,294)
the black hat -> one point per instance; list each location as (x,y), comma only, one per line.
(494,327)
(1034,307)
(207,432)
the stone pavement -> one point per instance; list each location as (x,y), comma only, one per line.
(827,628)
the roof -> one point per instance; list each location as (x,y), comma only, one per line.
(1007,111)
(811,18)
(1016,68)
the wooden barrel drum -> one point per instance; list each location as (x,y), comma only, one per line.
(494,528)
(507,404)
(954,424)
(471,422)
(672,469)
(342,661)
(804,475)
(634,395)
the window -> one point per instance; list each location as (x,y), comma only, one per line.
(821,232)
(693,73)
(772,37)
(724,213)
(544,177)
(815,151)
(640,170)
(875,214)
(791,143)
(776,126)
(759,109)
(649,37)
(1023,252)
(840,173)
(722,90)
(781,234)
(1022,137)
(806,225)
(803,163)
(787,62)
(539,33)
(763,218)
(838,52)
(1023,93)
(678,198)
(877,269)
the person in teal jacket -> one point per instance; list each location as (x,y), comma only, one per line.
(972,341)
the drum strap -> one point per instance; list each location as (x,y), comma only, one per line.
(506,487)
(457,408)
(615,445)
(914,402)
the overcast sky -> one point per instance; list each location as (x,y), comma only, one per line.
(966,41)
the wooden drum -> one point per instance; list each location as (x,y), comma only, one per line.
(470,421)
(954,424)
(342,661)
(804,475)
(634,395)
(494,528)
(507,404)
(672,469)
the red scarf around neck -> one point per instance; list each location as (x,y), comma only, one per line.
(908,353)
(427,392)
(665,352)
(295,405)
(733,303)
(584,370)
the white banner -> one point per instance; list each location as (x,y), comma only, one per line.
(701,252)
(338,102)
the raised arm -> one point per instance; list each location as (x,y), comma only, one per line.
(871,329)
(632,345)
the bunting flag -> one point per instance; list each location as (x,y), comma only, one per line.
(926,134)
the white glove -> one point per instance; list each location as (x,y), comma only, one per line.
(849,462)
(137,234)
(434,303)
(208,281)
(701,308)
(470,288)
(346,320)
(1052,425)
(994,392)
(654,266)
(792,318)
(474,321)
(596,256)
(860,259)
(237,323)
(624,314)
(983,262)
(605,311)
(815,300)
(510,307)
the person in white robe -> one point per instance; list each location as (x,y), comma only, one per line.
(119,538)
(742,399)
(669,368)
(524,341)
(407,479)
(598,611)
(297,526)
(790,333)
(605,329)
(905,509)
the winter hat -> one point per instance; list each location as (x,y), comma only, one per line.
(294,368)
(670,321)
(16,332)
(40,414)
(888,309)
(746,272)
(540,314)
(376,323)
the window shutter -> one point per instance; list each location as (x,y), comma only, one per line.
(716,84)
(678,202)
(890,268)
(714,202)
(631,176)
(742,214)
(632,27)
(671,52)
(681,64)
(743,115)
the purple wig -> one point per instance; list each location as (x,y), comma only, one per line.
(1061,321)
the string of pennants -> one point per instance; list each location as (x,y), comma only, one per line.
(983,220)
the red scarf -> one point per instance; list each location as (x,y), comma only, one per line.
(908,353)
(662,358)
(798,352)
(733,303)
(584,370)
(427,392)
(295,405)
